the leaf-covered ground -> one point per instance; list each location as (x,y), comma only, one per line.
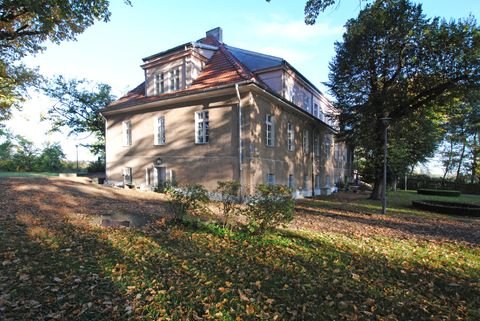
(333,263)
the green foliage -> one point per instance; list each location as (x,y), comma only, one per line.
(269,207)
(394,62)
(19,154)
(187,200)
(25,26)
(229,192)
(77,107)
(51,157)
(96,166)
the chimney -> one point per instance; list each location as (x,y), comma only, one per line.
(216,33)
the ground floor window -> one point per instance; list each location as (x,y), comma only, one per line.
(290,181)
(127,175)
(270,179)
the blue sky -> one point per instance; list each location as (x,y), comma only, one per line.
(111,52)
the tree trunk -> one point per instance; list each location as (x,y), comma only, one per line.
(377,189)
(448,164)
(460,161)
(474,159)
(394,184)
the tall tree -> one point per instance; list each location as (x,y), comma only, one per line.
(77,108)
(394,62)
(460,147)
(25,25)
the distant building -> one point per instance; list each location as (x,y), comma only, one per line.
(208,112)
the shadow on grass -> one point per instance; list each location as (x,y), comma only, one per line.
(464,230)
(186,273)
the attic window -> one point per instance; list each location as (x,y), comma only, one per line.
(159,83)
(175,79)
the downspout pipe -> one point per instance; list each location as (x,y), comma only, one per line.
(240,149)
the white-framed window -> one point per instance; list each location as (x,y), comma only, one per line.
(337,152)
(327,148)
(270,179)
(201,127)
(175,79)
(159,83)
(159,131)
(315,110)
(269,130)
(291,182)
(290,137)
(316,145)
(127,133)
(127,175)
(305,141)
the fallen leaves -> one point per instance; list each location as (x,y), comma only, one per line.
(58,268)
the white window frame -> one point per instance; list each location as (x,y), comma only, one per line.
(316,145)
(291,181)
(315,110)
(270,179)
(160,83)
(327,148)
(202,127)
(127,173)
(305,141)
(317,182)
(269,130)
(290,137)
(160,130)
(127,133)
(175,79)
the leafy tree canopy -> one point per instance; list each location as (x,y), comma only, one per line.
(77,107)
(394,62)
(25,25)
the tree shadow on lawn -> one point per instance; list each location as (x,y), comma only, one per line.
(54,270)
(296,278)
(467,231)
(187,273)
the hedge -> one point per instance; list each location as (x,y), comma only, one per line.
(452,208)
(439,192)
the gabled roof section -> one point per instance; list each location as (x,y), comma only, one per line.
(255,61)
(223,68)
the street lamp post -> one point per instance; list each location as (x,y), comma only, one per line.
(76,146)
(385,121)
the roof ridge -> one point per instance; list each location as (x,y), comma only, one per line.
(240,68)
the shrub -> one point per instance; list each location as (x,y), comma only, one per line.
(439,192)
(187,200)
(165,186)
(229,197)
(271,206)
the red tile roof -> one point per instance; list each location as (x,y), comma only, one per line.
(221,69)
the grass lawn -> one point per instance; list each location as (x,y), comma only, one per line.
(27,174)
(338,260)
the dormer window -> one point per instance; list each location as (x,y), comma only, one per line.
(159,83)
(175,79)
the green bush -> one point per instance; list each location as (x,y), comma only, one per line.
(269,207)
(165,186)
(189,199)
(229,199)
